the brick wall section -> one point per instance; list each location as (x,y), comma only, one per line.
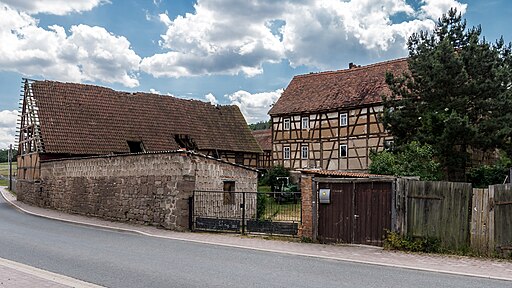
(306,227)
(148,189)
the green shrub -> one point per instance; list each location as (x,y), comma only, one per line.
(413,159)
(261,205)
(486,175)
(271,177)
(395,241)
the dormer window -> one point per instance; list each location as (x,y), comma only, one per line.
(136,146)
(185,141)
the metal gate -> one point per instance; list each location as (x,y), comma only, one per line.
(358,212)
(246,212)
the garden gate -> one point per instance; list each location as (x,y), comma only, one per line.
(246,212)
(359,210)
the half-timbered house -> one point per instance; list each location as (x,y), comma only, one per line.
(63,120)
(264,138)
(330,120)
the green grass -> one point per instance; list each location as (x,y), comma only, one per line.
(4,168)
(264,188)
(281,212)
(4,182)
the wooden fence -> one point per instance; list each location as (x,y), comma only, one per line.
(438,210)
(491,220)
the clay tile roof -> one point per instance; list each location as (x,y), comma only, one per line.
(346,174)
(337,89)
(264,138)
(92,120)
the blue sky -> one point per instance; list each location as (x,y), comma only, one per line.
(221,51)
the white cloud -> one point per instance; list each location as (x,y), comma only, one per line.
(8,127)
(222,37)
(86,54)
(211,98)
(254,107)
(238,37)
(434,9)
(56,7)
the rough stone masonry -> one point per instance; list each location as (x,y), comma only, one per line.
(150,189)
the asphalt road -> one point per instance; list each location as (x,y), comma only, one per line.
(120,259)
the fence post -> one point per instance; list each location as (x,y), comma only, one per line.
(243,212)
(191,212)
(10,167)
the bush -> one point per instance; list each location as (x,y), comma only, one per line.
(271,178)
(413,159)
(261,205)
(486,175)
(395,241)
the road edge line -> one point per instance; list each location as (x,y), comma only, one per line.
(259,249)
(47,275)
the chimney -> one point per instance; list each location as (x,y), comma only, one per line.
(351,65)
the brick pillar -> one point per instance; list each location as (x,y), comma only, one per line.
(306,229)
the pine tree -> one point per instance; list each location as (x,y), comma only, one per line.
(456,96)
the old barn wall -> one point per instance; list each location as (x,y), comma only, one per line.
(145,188)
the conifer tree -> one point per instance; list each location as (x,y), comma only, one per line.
(456,96)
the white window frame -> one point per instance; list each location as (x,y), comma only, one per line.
(343,119)
(346,151)
(287,124)
(305,122)
(286,153)
(304,152)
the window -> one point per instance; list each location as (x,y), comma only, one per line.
(304,152)
(286,124)
(229,193)
(135,146)
(286,153)
(305,122)
(343,119)
(343,150)
(239,158)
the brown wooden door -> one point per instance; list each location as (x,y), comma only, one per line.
(359,213)
(335,220)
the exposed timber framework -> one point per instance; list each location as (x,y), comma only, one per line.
(30,144)
(331,140)
(330,120)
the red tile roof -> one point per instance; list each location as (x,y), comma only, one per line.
(337,89)
(92,120)
(346,174)
(264,138)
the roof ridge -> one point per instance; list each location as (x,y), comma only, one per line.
(134,93)
(342,71)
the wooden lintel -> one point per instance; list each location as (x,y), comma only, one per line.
(503,203)
(425,197)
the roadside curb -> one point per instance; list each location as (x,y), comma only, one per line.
(47,275)
(366,262)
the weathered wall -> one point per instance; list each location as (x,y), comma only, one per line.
(211,179)
(308,198)
(146,188)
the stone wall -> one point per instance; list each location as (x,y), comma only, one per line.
(145,188)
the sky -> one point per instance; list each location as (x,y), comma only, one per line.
(219,51)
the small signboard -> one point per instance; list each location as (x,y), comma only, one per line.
(324,196)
